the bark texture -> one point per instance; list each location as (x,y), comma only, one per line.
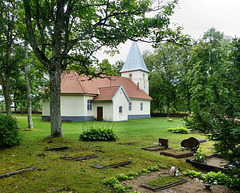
(28,89)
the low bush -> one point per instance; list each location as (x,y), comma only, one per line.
(181,130)
(98,134)
(215,178)
(199,156)
(9,132)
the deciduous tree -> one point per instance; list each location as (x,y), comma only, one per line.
(65,31)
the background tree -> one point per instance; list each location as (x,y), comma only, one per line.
(210,62)
(118,66)
(9,22)
(165,65)
(62,32)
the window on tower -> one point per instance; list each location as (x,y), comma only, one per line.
(130,75)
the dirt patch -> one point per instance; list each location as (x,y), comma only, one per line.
(191,186)
(216,161)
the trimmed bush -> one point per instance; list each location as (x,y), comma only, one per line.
(181,130)
(99,134)
(9,132)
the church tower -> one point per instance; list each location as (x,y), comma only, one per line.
(135,68)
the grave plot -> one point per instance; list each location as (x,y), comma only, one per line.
(214,162)
(191,144)
(162,144)
(79,156)
(177,153)
(128,143)
(163,182)
(60,148)
(98,166)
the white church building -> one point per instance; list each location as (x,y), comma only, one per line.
(106,99)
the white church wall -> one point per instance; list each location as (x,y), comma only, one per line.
(46,108)
(137,112)
(120,101)
(72,106)
(107,110)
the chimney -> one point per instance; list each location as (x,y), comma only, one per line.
(137,85)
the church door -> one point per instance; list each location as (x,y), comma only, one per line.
(99,113)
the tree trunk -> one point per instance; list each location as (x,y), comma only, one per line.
(7,82)
(15,107)
(188,100)
(28,89)
(55,73)
(55,106)
(168,109)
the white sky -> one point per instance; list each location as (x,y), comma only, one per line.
(196,17)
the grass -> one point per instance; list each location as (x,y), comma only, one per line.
(162,181)
(54,173)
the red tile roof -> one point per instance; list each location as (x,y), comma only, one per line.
(73,83)
(106,93)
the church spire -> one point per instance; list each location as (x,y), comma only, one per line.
(135,68)
(134,60)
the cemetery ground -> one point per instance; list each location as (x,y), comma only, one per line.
(53,174)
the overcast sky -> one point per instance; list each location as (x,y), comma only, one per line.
(196,17)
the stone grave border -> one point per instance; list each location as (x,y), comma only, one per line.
(169,185)
(177,155)
(16,172)
(56,148)
(111,166)
(129,143)
(80,158)
(208,167)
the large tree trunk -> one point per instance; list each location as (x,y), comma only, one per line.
(28,89)
(55,106)
(55,73)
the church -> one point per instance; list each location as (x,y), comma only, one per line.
(106,99)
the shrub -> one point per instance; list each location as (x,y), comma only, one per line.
(9,132)
(216,178)
(111,181)
(181,130)
(98,134)
(199,156)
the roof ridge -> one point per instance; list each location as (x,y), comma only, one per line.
(79,81)
(109,86)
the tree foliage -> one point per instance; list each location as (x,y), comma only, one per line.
(165,66)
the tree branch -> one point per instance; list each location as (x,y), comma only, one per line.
(32,40)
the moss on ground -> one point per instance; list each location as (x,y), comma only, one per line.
(162,181)
(53,173)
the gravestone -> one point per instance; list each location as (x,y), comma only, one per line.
(190,144)
(163,142)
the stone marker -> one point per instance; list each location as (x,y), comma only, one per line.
(191,144)
(163,142)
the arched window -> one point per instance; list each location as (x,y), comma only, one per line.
(143,75)
(130,75)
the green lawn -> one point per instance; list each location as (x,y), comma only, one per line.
(54,173)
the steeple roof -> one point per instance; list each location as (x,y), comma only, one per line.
(134,60)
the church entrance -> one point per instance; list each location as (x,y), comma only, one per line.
(99,113)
